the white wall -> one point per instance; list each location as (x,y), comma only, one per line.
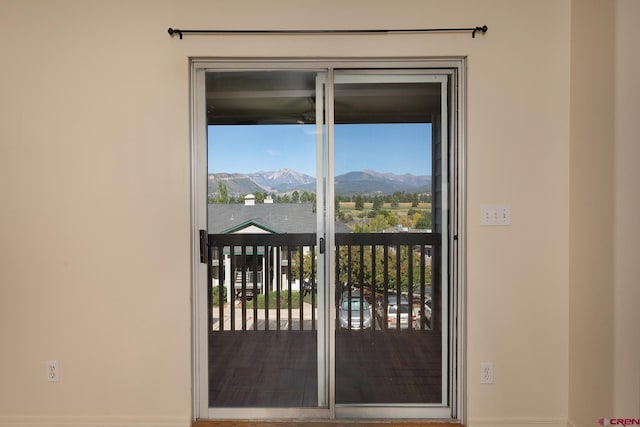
(94,180)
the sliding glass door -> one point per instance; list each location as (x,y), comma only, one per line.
(266,321)
(391,329)
(323,225)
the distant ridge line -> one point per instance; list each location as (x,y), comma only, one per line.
(285,181)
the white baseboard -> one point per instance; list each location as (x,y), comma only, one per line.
(30,421)
(518,422)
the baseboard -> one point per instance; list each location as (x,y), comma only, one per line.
(30,421)
(517,422)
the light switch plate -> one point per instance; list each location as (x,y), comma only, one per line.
(495,215)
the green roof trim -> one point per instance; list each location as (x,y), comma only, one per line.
(248,223)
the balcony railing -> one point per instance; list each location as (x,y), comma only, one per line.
(269,281)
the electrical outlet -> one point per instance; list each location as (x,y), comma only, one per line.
(486,373)
(53,371)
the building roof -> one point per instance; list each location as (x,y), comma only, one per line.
(273,217)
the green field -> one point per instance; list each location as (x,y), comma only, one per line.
(356,219)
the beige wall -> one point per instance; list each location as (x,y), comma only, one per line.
(94,252)
(95,185)
(626,339)
(605,348)
(591,212)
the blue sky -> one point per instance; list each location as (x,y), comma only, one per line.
(397,148)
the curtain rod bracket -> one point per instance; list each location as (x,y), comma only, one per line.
(173,31)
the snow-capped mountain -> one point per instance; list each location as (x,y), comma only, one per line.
(371,182)
(287,180)
(282,180)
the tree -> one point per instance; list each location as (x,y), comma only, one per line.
(392,219)
(362,228)
(260,196)
(354,272)
(283,199)
(414,200)
(359,202)
(426,197)
(308,265)
(417,217)
(395,202)
(424,222)
(378,223)
(222,196)
(377,203)
(295,197)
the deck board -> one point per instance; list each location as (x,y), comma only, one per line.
(278,368)
(323,423)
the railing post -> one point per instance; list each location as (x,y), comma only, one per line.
(374,294)
(242,275)
(289,276)
(410,285)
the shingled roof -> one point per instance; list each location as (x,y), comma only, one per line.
(271,217)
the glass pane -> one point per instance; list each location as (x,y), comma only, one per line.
(263,314)
(388,344)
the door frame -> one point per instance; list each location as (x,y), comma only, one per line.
(456,69)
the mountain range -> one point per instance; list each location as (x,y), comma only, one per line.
(287,181)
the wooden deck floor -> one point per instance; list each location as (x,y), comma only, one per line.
(278,368)
(327,423)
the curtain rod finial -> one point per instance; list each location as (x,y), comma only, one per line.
(171,32)
(482,29)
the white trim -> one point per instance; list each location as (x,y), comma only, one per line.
(267,413)
(458,135)
(397,411)
(347,77)
(435,65)
(198,222)
(521,422)
(439,68)
(446,219)
(330,240)
(389,76)
(111,421)
(322,334)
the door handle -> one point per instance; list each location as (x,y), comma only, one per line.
(321,246)
(204,247)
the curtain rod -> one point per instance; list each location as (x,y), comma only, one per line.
(472,30)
